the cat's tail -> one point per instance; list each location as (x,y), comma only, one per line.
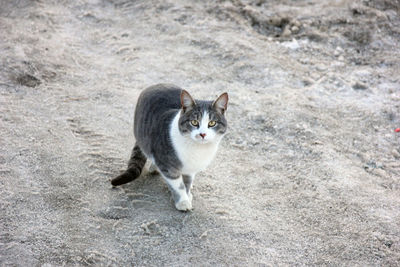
(135,167)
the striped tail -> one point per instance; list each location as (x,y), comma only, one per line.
(135,167)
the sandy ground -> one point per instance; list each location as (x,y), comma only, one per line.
(309,173)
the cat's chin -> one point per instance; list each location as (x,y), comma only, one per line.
(203,141)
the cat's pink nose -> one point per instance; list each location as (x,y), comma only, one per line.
(203,135)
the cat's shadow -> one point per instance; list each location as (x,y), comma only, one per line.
(148,193)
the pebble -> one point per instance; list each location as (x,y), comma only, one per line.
(321,67)
(362,73)
(296,23)
(286,32)
(308,81)
(295,29)
(292,44)
(396,153)
(359,86)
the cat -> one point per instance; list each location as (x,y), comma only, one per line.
(179,135)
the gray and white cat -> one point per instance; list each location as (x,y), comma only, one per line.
(178,134)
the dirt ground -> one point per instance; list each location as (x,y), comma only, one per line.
(309,173)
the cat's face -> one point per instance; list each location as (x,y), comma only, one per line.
(203,121)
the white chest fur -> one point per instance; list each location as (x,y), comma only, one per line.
(194,156)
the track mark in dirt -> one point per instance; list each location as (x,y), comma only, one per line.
(125,205)
(97,257)
(114,213)
(151,228)
(92,153)
(28,80)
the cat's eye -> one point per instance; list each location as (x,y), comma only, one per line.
(212,123)
(194,123)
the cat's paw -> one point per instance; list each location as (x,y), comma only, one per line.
(184,205)
(190,196)
(153,170)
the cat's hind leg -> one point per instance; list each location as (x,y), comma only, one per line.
(135,167)
(179,193)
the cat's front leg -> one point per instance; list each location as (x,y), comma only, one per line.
(153,169)
(188,180)
(179,193)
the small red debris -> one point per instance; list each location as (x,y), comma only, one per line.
(397,130)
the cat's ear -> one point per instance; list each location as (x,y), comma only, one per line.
(187,101)
(221,103)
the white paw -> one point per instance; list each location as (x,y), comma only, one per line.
(190,196)
(184,205)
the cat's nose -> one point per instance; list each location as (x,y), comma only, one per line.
(203,135)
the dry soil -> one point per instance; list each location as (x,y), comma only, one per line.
(309,173)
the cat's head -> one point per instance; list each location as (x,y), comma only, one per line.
(203,121)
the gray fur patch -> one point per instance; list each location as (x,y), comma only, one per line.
(181,186)
(155,109)
(188,182)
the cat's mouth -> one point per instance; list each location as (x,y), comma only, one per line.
(201,140)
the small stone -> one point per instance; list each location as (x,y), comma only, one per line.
(338,51)
(321,67)
(396,153)
(204,235)
(292,44)
(296,23)
(295,29)
(286,32)
(359,86)
(307,81)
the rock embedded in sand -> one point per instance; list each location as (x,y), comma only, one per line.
(359,86)
(396,153)
(286,32)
